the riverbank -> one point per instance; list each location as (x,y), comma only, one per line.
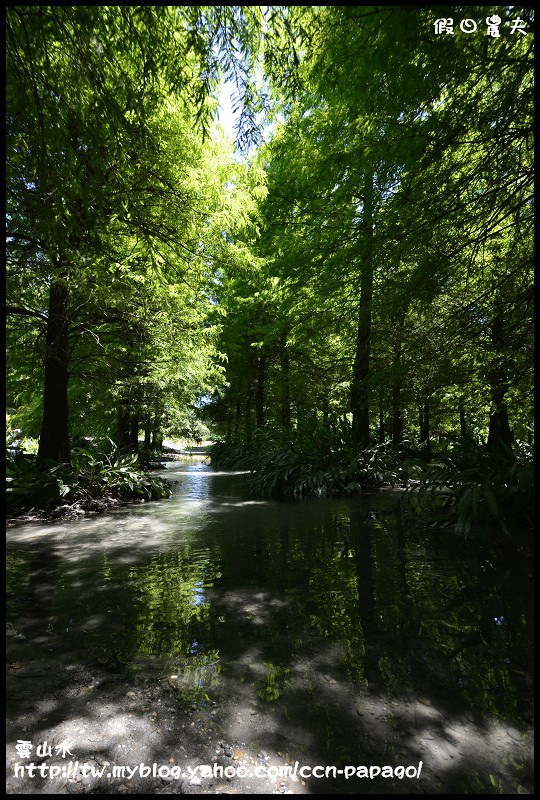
(92,484)
(72,511)
(473,486)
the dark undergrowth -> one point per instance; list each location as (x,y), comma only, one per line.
(315,459)
(469,487)
(34,483)
(481,490)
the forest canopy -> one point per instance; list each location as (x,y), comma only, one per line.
(357,266)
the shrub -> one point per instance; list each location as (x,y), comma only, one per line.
(115,473)
(482,489)
(26,486)
(92,475)
(313,459)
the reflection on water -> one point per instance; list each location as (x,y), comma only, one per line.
(214,588)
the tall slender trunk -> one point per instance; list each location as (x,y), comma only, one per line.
(285,383)
(248,425)
(147,432)
(134,434)
(382,430)
(424,417)
(157,435)
(397,420)
(500,436)
(259,391)
(237,416)
(54,438)
(427,430)
(360,376)
(123,430)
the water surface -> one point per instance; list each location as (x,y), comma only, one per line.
(302,606)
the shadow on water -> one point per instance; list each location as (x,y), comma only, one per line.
(334,632)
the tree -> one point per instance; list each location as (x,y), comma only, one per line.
(102,161)
(394,165)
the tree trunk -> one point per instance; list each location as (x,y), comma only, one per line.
(259,392)
(397,419)
(123,431)
(54,438)
(247,416)
(157,436)
(285,384)
(134,434)
(500,436)
(237,416)
(423,409)
(360,377)
(147,432)
(382,431)
(426,437)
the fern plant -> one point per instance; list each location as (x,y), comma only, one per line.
(481,489)
(90,476)
(315,459)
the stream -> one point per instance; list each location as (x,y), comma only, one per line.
(218,625)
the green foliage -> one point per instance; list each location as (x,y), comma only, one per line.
(92,475)
(372,257)
(116,473)
(445,131)
(116,210)
(29,445)
(315,459)
(481,490)
(28,487)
